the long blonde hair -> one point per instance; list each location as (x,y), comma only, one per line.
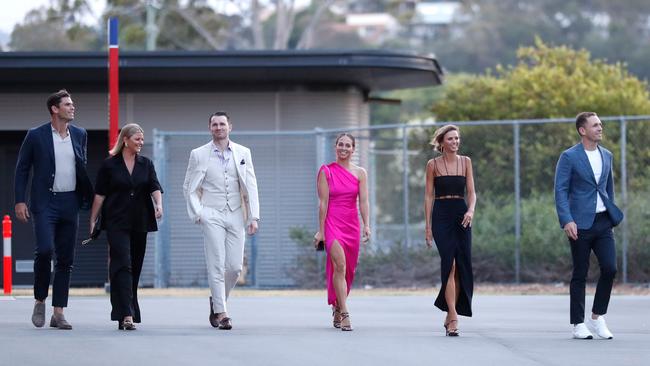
(126,131)
(439,135)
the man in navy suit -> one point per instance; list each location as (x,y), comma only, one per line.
(55,152)
(584,200)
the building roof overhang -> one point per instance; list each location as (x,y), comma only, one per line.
(200,71)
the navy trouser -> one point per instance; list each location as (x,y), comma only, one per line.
(55,229)
(599,238)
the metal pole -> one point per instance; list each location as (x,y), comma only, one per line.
(624,193)
(372,188)
(321,154)
(113,81)
(151,29)
(253,264)
(161,263)
(320,159)
(405,183)
(517,205)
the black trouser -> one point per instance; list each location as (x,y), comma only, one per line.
(600,239)
(126,254)
(55,229)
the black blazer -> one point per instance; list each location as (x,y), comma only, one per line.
(37,154)
(128,204)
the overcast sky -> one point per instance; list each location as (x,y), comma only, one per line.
(13,11)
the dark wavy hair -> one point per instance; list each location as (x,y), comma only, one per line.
(345,134)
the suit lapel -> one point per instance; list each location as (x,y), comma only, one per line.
(606,166)
(75,142)
(48,141)
(237,159)
(585,164)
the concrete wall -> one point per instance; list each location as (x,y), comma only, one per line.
(290,110)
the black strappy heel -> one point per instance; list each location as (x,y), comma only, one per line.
(451,332)
(345,328)
(336,318)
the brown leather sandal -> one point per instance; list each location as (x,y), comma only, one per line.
(336,318)
(344,327)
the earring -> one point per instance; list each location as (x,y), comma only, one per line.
(126,145)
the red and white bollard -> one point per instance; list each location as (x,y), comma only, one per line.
(7,265)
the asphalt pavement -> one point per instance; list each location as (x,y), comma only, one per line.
(296,330)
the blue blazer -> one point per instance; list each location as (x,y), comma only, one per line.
(576,188)
(37,154)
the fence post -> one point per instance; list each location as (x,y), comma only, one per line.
(372,188)
(405,182)
(320,145)
(624,192)
(252,266)
(516,131)
(161,263)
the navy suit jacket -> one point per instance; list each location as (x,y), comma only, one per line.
(576,188)
(37,154)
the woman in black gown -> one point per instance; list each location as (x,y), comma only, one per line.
(450,182)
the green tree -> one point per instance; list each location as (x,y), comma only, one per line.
(547,82)
(486,32)
(174,24)
(55,28)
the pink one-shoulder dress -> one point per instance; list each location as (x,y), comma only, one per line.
(341,222)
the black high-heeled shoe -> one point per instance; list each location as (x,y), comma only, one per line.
(451,332)
(126,325)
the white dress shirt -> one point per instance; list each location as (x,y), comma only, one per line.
(65,173)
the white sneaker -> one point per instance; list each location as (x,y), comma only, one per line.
(580,331)
(599,327)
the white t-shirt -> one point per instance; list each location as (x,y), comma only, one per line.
(596,162)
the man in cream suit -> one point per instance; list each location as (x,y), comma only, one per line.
(221,192)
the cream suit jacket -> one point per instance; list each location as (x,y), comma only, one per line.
(196,169)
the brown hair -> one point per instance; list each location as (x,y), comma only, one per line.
(219,114)
(581,119)
(345,134)
(439,135)
(126,131)
(55,99)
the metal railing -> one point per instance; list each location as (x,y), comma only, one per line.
(377,149)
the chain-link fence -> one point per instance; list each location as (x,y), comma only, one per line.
(516,235)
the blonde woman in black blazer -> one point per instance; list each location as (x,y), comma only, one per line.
(129,196)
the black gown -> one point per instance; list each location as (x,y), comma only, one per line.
(454,242)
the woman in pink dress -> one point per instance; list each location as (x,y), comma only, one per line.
(340,185)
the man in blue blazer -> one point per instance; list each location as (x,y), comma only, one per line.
(55,152)
(584,200)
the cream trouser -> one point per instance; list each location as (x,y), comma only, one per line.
(223,239)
